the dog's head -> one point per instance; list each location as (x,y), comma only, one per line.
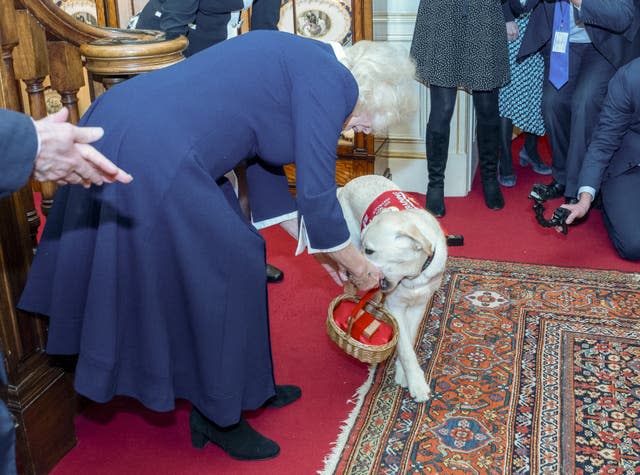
(401,244)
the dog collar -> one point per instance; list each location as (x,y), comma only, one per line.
(394,200)
(428,261)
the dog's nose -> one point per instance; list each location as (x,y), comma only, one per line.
(384,285)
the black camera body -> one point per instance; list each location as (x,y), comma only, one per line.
(559,217)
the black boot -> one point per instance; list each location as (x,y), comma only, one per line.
(529,155)
(488,137)
(240,440)
(506,177)
(437,153)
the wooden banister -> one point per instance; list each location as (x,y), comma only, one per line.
(43,48)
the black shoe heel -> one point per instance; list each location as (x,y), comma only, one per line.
(198,439)
(239,440)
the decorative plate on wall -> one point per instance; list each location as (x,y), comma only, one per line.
(83,10)
(325,20)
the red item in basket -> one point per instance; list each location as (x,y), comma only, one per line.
(366,329)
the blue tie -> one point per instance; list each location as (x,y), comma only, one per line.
(559,59)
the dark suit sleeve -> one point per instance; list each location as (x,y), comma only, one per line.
(18,147)
(615,118)
(507,12)
(614,15)
(268,189)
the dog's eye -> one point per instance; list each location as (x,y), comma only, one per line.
(368,251)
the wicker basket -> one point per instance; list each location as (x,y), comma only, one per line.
(357,349)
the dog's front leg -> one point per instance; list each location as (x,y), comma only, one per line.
(408,371)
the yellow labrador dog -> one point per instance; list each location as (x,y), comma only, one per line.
(406,242)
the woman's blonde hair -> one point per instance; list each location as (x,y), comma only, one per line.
(386,79)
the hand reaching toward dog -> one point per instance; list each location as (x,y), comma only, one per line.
(66,157)
(355,267)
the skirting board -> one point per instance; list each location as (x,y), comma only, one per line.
(410,174)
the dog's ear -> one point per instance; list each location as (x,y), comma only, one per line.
(419,242)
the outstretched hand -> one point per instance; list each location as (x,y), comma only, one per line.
(577,210)
(512,30)
(66,157)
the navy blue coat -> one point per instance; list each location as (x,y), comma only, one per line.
(160,285)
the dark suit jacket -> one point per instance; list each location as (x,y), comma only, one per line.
(615,147)
(18,147)
(612,26)
(209,16)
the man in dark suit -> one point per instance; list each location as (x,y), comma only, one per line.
(49,149)
(601,36)
(206,23)
(612,164)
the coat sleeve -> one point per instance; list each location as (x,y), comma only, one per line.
(18,148)
(614,15)
(320,104)
(616,116)
(507,12)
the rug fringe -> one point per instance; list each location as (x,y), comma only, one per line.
(332,459)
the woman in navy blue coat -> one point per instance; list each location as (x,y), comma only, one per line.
(160,286)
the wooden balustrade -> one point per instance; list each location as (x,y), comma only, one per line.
(42,47)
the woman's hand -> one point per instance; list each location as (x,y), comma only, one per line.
(352,264)
(335,270)
(512,31)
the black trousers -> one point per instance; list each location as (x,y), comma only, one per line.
(621,212)
(571,113)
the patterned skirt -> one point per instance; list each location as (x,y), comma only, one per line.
(520,100)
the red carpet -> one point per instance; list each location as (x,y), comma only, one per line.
(123,438)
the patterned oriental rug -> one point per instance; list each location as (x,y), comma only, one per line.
(535,369)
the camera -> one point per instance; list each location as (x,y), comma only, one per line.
(560,215)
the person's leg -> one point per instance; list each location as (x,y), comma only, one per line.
(529,155)
(7,441)
(506,177)
(488,134)
(591,87)
(442,101)
(556,111)
(620,196)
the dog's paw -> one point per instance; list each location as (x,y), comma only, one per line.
(400,378)
(420,390)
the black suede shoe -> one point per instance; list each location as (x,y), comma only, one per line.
(240,440)
(274,274)
(551,191)
(570,201)
(285,395)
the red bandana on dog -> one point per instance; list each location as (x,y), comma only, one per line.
(394,199)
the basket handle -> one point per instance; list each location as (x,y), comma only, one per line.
(358,311)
